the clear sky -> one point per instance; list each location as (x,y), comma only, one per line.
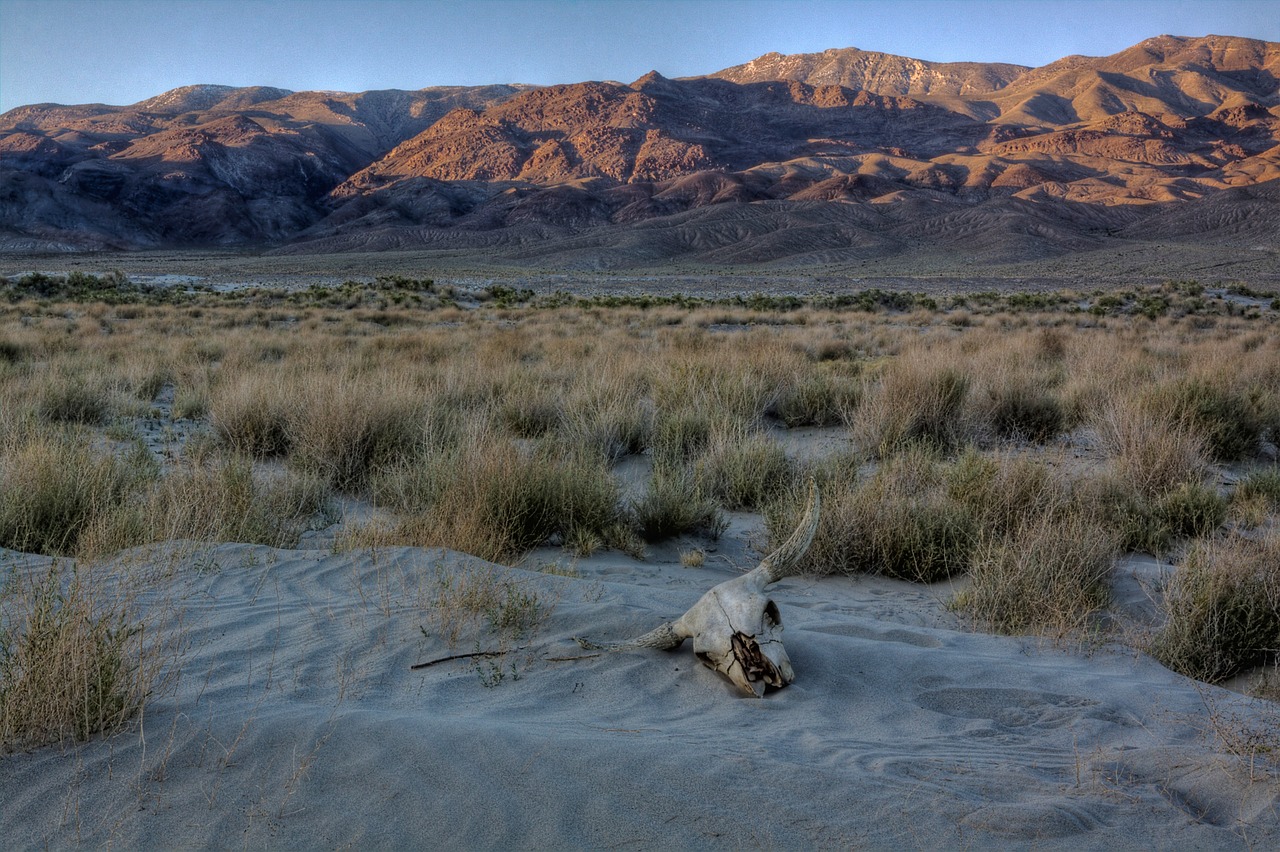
(122,51)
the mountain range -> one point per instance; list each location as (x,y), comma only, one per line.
(827,160)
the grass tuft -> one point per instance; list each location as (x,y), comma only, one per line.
(677,503)
(1222,609)
(68,666)
(915,401)
(901,522)
(1050,575)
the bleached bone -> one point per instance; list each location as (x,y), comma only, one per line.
(735,627)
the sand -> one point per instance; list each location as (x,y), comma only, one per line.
(295,720)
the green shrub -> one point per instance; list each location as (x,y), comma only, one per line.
(1228,421)
(1003,493)
(1191,510)
(681,435)
(1150,524)
(1222,609)
(1262,484)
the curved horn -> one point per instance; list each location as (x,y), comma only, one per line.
(665,637)
(782,562)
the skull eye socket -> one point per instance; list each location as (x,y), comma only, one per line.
(772,617)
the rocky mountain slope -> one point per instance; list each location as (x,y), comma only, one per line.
(826,159)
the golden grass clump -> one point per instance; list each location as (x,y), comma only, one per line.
(918,398)
(54,487)
(1153,452)
(72,664)
(489,498)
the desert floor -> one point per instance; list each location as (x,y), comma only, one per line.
(291,715)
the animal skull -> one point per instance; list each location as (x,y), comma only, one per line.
(735,627)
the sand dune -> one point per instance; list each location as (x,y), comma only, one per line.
(297,722)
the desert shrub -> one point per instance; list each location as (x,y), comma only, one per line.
(346,428)
(531,411)
(1051,574)
(1026,411)
(218,500)
(1227,420)
(69,663)
(681,434)
(1151,451)
(490,500)
(744,469)
(54,487)
(915,401)
(1003,493)
(676,503)
(1222,609)
(11,352)
(609,421)
(74,399)
(1262,485)
(818,397)
(900,522)
(716,382)
(250,416)
(1146,523)
(1191,509)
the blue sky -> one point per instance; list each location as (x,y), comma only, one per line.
(122,51)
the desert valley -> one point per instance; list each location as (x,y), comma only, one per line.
(388,469)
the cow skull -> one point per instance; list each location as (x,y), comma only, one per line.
(735,627)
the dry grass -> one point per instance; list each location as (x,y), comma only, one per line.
(900,521)
(1152,452)
(1051,574)
(54,488)
(489,498)
(918,398)
(1222,608)
(496,430)
(743,468)
(73,663)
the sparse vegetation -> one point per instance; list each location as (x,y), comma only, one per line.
(498,421)
(1222,608)
(1050,574)
(72,664)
